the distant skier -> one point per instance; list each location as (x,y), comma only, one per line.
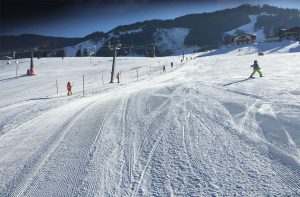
(171,64)
(69,88)
(256,68)
(118,77)
(164,68)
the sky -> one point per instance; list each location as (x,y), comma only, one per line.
(66,18)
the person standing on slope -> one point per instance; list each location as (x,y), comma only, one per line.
(256,68)
(118,77)
(69,88)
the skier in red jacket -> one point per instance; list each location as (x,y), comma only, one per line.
(69,88)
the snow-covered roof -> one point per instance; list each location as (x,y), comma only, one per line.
(244,34)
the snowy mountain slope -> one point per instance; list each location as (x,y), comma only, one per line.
(90,46)
(205,30)
(93,45)
(133,31)
(284,46)
(170,39)
(249,29)
(200,129)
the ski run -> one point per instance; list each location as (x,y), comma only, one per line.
(199,129)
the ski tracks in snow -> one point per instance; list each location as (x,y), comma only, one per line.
(22,180)
(53,157)
(260,128)
(163,156)
(138,164)
(170,140)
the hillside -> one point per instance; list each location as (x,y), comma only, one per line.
(201,31)
(44,44)
(31,41)
(200,129)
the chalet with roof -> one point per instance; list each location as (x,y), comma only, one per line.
(244,38)
(291,33)
(272,38)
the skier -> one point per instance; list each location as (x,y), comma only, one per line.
(69,88)
(256,68)
(164,68)
(171,64)
(118,77)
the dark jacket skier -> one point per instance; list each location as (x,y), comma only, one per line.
(256,68)
(118,77)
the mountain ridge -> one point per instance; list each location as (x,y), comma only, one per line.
(206,30)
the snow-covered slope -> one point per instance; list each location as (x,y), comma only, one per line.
(249,29)
(170,39)
(285,46)
(199,129)
(90,46)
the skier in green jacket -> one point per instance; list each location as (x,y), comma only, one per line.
(256,68)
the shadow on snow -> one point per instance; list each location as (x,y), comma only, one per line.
(239,81)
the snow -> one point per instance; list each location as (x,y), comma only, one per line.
(112,35)
(171,38)
(249,29)
(200,129)
(134,31)
(89,45)
(167,39)
(93,46)
(275,47)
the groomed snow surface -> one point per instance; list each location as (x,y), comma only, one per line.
(199,129)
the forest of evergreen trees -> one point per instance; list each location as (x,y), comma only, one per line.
(206,30)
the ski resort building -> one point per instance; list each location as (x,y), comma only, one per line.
(244,38)
(272,38)
(291,33)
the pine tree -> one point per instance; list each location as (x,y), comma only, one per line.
(60,53)
(85,52)
(78,53)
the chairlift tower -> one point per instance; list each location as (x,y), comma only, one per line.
(31,71)
(114,47)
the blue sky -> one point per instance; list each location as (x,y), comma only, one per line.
(81,20)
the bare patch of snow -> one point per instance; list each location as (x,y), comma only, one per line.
(171,39)
(249,29)
(89,45)
(134,31)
